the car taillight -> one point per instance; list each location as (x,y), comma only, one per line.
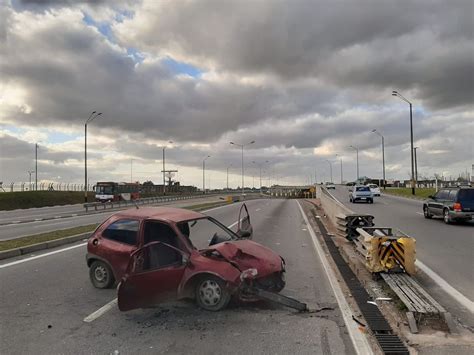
(457,207)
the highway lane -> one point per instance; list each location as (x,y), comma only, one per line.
(44,302)
(42,212)
(446,249)
(12,231)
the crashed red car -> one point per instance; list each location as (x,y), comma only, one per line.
(161,254)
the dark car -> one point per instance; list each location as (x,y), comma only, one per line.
(163,253)
(453,204)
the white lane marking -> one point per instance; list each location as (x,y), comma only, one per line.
(258,209)
(102,310)
(420,213)
(15,222)
(38,219)
(41,256)
(361,345)
(74,215)
(450,290)
(57,216)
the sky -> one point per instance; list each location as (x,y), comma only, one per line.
(303,79)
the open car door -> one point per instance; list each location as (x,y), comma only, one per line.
(153,275)
(244,229)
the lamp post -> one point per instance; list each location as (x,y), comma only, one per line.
(30,172)
(92,117)
(330,168)
(36,166)
(383,155)
(416,167)
(164,170)
(228,176)
(204,174)
(400,96)
(242,147)
(341,168)
(260,167)
(357,151)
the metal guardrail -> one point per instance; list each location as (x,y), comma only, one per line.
(149,200)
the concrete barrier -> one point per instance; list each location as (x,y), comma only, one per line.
(331,206)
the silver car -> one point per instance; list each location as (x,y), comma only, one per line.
(361,193)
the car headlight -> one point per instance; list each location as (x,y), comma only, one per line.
(248,274)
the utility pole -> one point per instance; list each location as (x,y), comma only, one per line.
(341,168)
(164,169)
(400,96)
(242,147)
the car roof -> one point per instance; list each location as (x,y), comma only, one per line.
(169,214)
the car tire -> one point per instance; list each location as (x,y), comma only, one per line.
(101,274)
(211,293)
(426,212)
(371,200)
(446,217)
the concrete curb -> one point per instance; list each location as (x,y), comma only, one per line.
(11,253)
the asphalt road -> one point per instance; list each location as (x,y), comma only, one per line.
(446,249)
(12,231)
(44,302)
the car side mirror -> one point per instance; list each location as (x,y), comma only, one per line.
(244,234)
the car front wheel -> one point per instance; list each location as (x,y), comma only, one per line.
(426,212)
(212,294)
(101,275)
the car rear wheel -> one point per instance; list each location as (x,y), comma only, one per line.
(426,212)
(212,294)
(101,275)
(446,217)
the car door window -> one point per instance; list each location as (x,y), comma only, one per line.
(442,195)
(452,195)
(160,255)
(123,231)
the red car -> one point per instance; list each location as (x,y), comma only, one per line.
(163,253)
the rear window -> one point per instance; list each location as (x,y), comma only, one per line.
(466,195)
(362,188)
(123,231)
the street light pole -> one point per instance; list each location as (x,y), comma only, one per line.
(204,174)
(397,94)
(242,147)
(383,156)
(416,167)
(36,166)
(341,168)
(330,168)
(260,167)
(357,151)
(30,172)
(92,116)
(228,176)
(131,170)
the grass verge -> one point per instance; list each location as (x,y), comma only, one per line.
(33,199)
(63,233)
(420,193)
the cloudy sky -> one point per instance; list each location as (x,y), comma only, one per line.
(303,79)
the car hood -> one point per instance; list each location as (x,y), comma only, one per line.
(246,254)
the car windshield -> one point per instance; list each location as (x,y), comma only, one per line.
(201,231)
(104,190)
(362,188)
